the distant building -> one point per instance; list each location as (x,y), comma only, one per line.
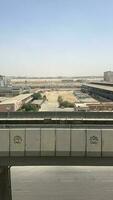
(81,107)
(67,80)
(96,90)
(15,103)
(3,81)
(37,102)
(9,90)
(108,76)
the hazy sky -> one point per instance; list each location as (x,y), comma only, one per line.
(56,37)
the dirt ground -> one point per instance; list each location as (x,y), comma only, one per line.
(52,96)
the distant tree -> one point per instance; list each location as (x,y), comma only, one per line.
(37,96)
(60,99)
(30,108)
(65,104)
(44,98)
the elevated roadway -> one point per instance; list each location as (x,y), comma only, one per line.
(53,138)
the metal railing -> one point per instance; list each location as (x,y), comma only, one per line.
(49,115)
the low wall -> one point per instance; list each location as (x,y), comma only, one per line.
(69,142)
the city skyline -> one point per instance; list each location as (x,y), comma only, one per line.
(56,38)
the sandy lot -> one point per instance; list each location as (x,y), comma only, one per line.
(52,96)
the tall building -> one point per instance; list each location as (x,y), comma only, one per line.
(108,76)
(2,81)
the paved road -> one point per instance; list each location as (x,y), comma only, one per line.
(62,183)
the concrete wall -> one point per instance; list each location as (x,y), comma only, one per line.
(93,143)
(32,147)
(4,142)
(107,142)
(7,107)
(62,142)
(56,142)
(17,142)
(78,142)
(47,142)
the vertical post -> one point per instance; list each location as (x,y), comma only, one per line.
(5,183)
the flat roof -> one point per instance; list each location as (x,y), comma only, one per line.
(16,98)
(38,101)
(3,99)
(102,87)
(102,83)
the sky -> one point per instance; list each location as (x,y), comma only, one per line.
(56,37)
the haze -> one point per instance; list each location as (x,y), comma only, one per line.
(56,37)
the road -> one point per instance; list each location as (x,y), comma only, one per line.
(62,183)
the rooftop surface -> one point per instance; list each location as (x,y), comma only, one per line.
(103,87)
(16,98)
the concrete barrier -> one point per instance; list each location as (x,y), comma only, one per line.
(107,143)
(47,142)
(49,115)
(62,142)
(17,142)
(78,142)
(4,142)
(93,142)
(32,147)
(36,142)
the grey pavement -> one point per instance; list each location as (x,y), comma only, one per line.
(62,183)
